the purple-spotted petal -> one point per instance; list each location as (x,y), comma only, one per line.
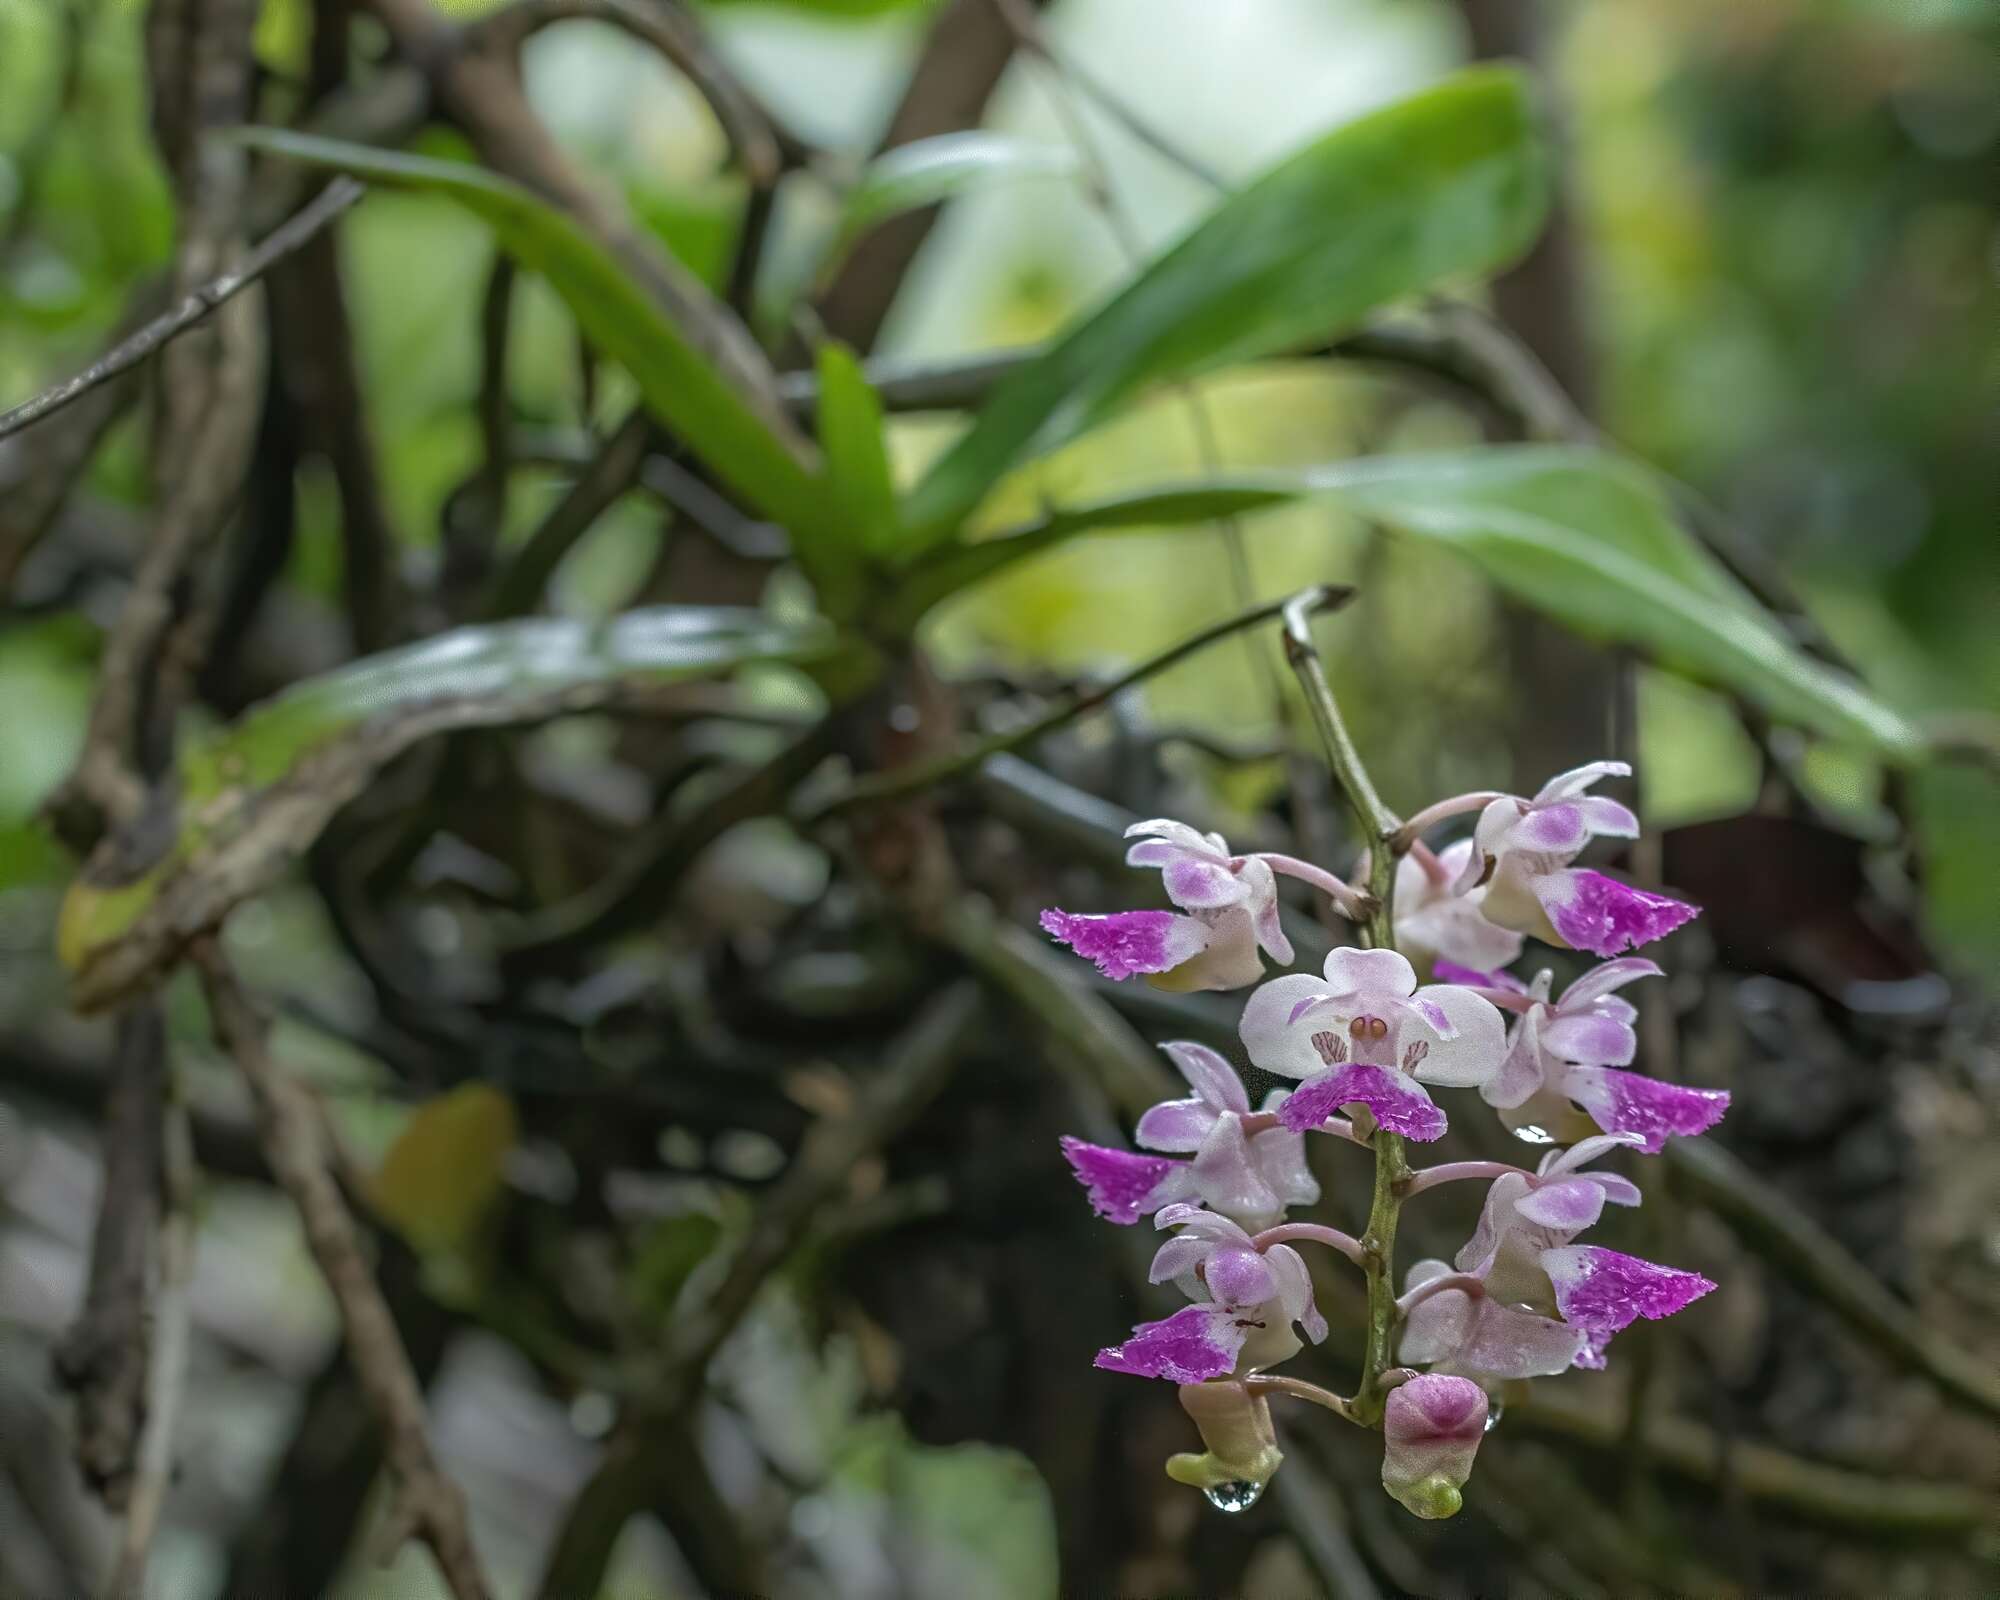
(1194,1344)
(1210,1076)
(1153,853)
(1197,884)
(1239,1277)
(1599,914)
(1125,943)
(1606,976)
(1122,1185)
(1626,1102)
(1451,972)
(1602,1290)
(1226,1176)
(1566,1206)
(1369,972)
(1607,818)
(1432,1015)
(1590,1038)
(1176,1125)
(1397,1100)
(1267,1031)
(1550,830)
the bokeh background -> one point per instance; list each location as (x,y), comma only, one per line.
(1772,275)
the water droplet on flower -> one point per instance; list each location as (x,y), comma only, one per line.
(1532,1133)
(1494,1411)
(1239,1494)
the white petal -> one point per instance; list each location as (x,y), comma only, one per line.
(1275,1043)
(1481,1045)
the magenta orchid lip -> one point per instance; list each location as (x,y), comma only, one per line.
(1368,1047)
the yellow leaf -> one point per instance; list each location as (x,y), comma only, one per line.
(443,1172)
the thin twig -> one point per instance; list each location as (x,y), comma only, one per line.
(163,329)
(950,764)
(427,1504)
(105,1357)
(1376,824)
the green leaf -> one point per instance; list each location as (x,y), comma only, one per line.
(1447,183)
(1587,537)
(256,794)
(682,385)
(856,450)
(927,171)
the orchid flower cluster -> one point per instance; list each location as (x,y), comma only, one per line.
(1365,1044)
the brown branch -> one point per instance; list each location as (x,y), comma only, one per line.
(480,88)
(199,63)
(613,470)
(103,1359)
(167,1379)
(643,1456)
(1862,1503)
(1776,1229)
(427,1504)
(968,49)
(316,334)
(662,26)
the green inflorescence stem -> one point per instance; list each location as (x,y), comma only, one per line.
(1379,826)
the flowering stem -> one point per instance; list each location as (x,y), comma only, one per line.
(1454,1172)
(1264,1121)
(1318,1233)
(1427,858)
(1299,1389)
(1463,1282)
(1378,828)
(1351,903)
(1457,805)
(1505,999)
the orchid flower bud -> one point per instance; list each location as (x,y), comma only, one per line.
(1430,1433)
(1242,1442)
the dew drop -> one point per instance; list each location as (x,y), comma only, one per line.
(1238,1495)
(1533,1133)
(1494,1411)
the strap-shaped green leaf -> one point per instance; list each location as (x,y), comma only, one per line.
(1587,537)
(856,451)
(681,385)
(256,794)
(927,171)
(1448,183)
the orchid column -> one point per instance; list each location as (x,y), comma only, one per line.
(1366,1043)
